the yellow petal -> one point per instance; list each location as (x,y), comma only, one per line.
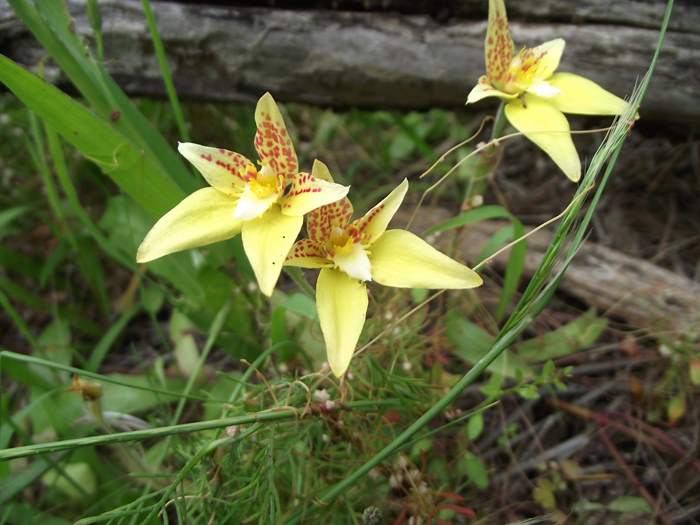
(547,56)
(267,241)
(307,253)
(341,303)
(404,260)
(376,220)
(547,127)
(484,90)
(202,218)
(272,141)
(584,97)
(308,193)
(498,48)
(221,168)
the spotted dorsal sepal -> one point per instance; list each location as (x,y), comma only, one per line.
(272,141)
(498,48)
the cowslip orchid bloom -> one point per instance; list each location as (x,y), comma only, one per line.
(350,253)
(535,96)
(266,204)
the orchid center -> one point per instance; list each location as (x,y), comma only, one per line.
(261,191)
(348,255)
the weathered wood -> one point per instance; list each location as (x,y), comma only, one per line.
(641,293)
(380,59)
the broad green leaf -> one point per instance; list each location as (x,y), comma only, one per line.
(131,169)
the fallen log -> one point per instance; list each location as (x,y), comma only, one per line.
(637,291)
(382,58)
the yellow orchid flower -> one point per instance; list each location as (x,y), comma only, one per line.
(351,253)
(535,96)
(265,205)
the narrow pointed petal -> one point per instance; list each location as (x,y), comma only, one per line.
(202,218)
(404,260)
(250,206)
(584,97)
(498,48)
(355,263)
(376,220)
(307,253)
(272,141)
(547,57)
(321,171)
(308,193)
(547,127)
(267,241)
(321,221)
(341,303)
(484,90)
(222,169)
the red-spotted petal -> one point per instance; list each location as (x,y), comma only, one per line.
(498,48)
(321,221)
(223,169)
(368,228)
(307,253)
(272,141)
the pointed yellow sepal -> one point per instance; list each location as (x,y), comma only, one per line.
(341,303)
(202,218)
(403,260)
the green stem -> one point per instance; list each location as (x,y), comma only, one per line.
(165,71)
(298,277)
(488,159)
(171,430)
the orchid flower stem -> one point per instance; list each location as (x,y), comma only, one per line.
(488,160)
(298,277)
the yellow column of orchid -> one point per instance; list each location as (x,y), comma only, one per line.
(351,253)
(535,96)
(266,204)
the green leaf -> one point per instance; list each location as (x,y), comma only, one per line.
(567,339)
(472,216)
(631,504)
(128,166)
(471,343)
(80,473)
(475,426)
(476,470)
(301,304)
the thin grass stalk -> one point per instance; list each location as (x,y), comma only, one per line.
(281,414)
(165,70)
